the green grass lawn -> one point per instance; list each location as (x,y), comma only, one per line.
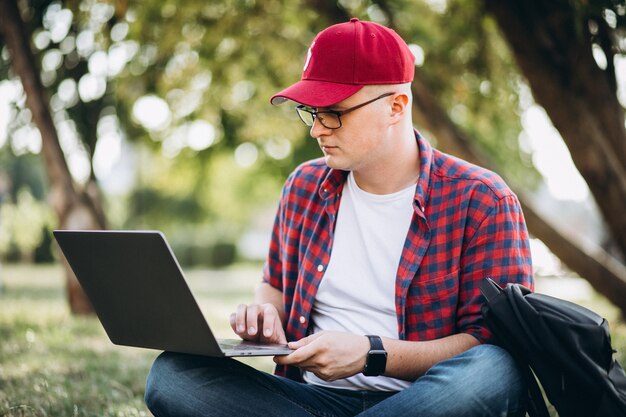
(56,364)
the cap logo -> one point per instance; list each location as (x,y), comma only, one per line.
(308,57)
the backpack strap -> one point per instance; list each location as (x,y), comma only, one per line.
(536,405)
(535,402)
(489,289)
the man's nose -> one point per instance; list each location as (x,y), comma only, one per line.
(318,129)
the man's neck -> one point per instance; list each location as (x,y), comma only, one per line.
(395,173)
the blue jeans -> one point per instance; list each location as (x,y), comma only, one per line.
(483,381)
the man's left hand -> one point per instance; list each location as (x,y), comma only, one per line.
(329,355)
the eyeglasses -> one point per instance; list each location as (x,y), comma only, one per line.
(330,119)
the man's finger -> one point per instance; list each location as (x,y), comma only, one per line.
(299,357)
(252,319)
(233,321)
(241,318)
(270,315)
(304,341)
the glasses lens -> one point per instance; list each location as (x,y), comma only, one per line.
(330,120)
(305,115)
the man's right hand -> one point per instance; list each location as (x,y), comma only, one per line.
(258,322)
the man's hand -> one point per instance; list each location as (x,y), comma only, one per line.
(258,322)
(329,355)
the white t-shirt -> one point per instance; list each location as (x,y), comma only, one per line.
(357,293)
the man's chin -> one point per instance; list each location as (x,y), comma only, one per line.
(333,163)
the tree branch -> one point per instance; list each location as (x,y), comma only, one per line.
(552,47)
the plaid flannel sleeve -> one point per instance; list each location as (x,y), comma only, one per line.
(273,268)
(499,249)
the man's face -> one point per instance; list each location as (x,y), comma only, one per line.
(361,142)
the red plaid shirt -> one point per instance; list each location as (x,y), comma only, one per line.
(467,225)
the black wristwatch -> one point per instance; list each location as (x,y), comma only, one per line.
(376,357)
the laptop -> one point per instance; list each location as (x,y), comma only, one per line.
(140,295)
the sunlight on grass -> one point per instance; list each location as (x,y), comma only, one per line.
(55,364)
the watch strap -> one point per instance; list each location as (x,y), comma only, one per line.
(376,343)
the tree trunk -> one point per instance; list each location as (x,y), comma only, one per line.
(74,210)
(552,46)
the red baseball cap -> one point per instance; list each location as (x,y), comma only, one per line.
(345,57)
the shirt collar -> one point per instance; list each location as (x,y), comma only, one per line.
(426,161)
(333,183)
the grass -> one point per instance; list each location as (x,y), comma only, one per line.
(56,364)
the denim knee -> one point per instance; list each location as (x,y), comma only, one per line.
(488,358)
(159,373)
(490,361)
(484,380)
(489,375)
(171,381)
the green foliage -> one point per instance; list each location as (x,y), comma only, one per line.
(257,50)
(217,63)
(189,191)
(23,225)
(19,172)
(468,66)
(221,62)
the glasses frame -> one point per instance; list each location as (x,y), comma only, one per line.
(314,113)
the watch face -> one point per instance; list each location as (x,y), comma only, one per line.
(376,363)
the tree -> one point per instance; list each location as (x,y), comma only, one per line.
(74,209)
(553,43)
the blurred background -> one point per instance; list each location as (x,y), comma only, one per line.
(156,115)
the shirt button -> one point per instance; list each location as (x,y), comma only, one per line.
(320,268)
(302,320)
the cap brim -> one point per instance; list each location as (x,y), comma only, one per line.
(315,93)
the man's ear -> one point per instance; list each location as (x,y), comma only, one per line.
(399,107)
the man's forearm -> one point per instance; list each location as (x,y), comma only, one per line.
(406,360)
(410,360)
(265,293)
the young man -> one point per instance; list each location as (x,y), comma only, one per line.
(376,257)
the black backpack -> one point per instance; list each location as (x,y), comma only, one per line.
(565,346)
